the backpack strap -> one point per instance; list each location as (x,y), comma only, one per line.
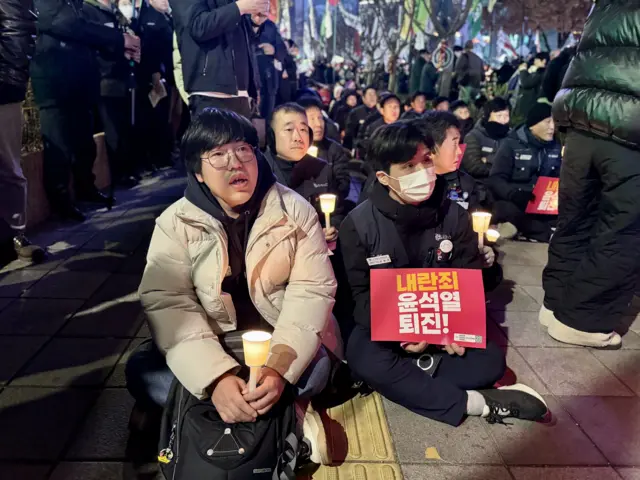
(285,469)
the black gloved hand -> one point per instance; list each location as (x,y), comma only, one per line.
(522,198)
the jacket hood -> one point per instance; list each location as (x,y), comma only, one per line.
(200,195)
(412,217)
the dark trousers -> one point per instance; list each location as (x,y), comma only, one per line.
(537,227)
(115,114)
(153,134)
(389,370)
(594,256)
(67,134)
(267,103)
(240,105)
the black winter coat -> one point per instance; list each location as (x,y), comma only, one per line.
(310,178)
(64,69)
(555,72)
(482,145)
(156,34)
(115,70)
(338,157)
(466,192)
(269,76)
(206,32)
(428,80)
(601,89)
(17,30)
(418,232)
(520,161)
(355,120)
(530,91)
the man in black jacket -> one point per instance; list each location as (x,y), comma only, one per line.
(66,84)
(17,27)
(289,139)
(404,222)
(216,41)
(115,94)
(268,50)
(389,108)
(418,106)
(484,140)
(329,150)
(528,153)
(593,257)
(358,115)
(289,80)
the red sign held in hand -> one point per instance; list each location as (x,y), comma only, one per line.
(438,306)
(546,197)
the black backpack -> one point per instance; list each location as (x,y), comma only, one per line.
(196,444)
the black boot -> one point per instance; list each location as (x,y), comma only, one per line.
(93,195)
(62,205)
(28,251)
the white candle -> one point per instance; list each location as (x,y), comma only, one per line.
(328,206)
(256,350)
(481,221)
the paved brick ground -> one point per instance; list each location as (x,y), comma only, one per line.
(66,328)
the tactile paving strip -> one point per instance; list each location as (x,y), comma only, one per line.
(357,431)
(360,471)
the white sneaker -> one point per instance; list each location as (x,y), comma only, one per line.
(565,334)
(313,431)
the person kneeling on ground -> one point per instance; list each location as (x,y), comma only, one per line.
(529,152)
(289,140)
(237,252)
(407,218)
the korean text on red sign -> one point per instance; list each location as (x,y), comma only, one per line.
(546,197)
(439,306)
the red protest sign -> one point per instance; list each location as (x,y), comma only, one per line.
(546,193)
(463,148)
(439,306)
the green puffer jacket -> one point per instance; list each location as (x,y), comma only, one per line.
(601,90)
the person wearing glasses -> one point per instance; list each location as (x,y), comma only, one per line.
(238,252)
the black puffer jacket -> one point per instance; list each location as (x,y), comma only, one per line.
(17,30)
(601,92)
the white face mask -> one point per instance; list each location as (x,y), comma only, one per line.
(127,11)
(417,186)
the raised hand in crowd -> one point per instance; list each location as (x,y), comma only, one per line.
(251,7)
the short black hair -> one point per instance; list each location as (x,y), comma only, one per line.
(211,129)
(416,95)
(310,102)
(424,51)
(385,98)
(438,100)
(543,56)
(457,48)
(369,87)
(392,144)
(497,104)
(435,124)
(289,107)
(458,104)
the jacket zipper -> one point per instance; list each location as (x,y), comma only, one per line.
(206,63)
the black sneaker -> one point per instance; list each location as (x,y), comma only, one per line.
(514,401)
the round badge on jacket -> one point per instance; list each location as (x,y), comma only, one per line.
(446,246)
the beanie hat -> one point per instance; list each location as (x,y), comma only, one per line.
(539,112)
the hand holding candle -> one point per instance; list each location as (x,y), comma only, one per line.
(481,221)
(328,206)
(256,349)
